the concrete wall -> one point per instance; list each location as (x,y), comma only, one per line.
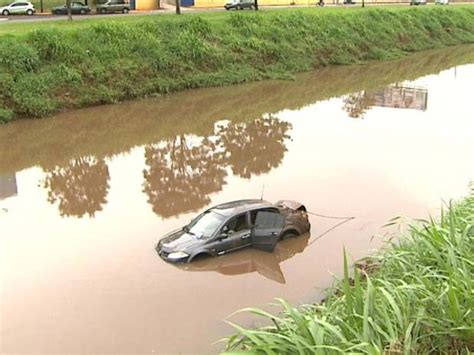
(144,5)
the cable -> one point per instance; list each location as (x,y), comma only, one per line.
(326,216)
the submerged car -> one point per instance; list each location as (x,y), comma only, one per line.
(235,225)
(76,8)
(18,7)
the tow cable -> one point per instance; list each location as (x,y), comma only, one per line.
(344,221)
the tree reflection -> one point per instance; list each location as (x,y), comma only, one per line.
(357,104)
(81,187)
(182,172)
(255,147)
(181,175)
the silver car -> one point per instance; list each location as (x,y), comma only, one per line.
(18,7)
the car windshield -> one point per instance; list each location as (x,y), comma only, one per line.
(205,224)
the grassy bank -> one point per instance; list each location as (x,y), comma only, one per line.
(415,297)
(26,143)
(47,70)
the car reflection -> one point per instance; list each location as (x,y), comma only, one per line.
(251,260)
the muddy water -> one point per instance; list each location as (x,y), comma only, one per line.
(85,196)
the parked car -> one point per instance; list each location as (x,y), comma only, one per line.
(235,225)
(441,2)
(18,7)
(76,8)
(239,4)
(112,6)
(417,2)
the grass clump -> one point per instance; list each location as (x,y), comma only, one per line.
(415,297)
(108,61)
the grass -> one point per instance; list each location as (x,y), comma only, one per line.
(414,297)
(28,143)
(49,69)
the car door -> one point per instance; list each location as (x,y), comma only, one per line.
(17,8)
(267,229)
(235,234)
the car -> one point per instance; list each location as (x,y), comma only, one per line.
(18,7)
(112,6)
(76,8)
(240,4)
(417,2)
(232,226)
(441,2)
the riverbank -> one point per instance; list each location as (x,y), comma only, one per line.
(50,69)
(416,296)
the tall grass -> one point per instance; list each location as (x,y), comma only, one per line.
(414,297)
(50,69)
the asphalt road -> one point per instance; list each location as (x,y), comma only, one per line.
(169,9)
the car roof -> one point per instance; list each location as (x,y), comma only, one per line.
(239,206)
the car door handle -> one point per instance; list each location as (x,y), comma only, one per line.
(273,233)
(245,236)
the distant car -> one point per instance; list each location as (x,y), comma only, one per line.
(417,2)
(76,8)
(240,4)
(18,7)
(235,225)
(441,2)
(112,6)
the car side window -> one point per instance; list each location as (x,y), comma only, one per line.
(269,220)
(253,214)
(237,224)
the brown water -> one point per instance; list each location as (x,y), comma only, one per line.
(85,196)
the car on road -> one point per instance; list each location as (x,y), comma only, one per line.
(18,8)
(441,2)
(239,4)
(417,2)
(235,225)
(77,8)
(112,6)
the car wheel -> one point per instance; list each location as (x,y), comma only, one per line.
(125,11)
(5,13)
(288,235)
(82,12)
(29,12)
(102,11)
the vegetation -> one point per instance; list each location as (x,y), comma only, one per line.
(142,122)
(48,69)
(414,297)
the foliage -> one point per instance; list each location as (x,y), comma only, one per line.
(414,297)
(104,62)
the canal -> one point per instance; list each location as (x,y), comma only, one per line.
(86,195)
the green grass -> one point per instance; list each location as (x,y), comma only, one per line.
(49,69)
(414,297)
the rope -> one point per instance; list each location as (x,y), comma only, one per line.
(326,216)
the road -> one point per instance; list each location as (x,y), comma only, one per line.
(166,9)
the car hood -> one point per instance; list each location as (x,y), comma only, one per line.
(179,240)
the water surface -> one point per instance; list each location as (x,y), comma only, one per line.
(85,196)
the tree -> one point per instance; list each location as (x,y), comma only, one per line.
(69,11)
(357,104)
(255,147)
(181,175)
(178,7)
(80,188)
